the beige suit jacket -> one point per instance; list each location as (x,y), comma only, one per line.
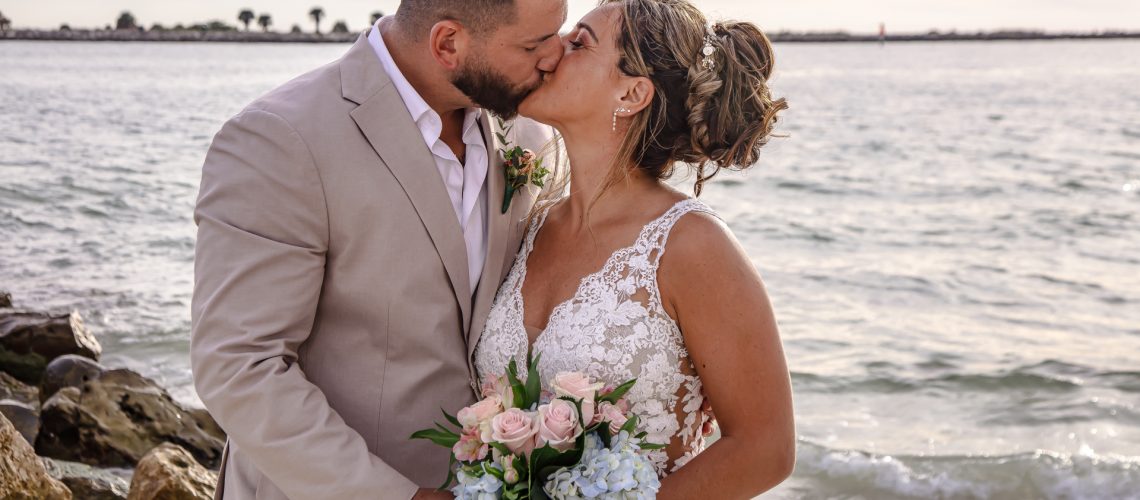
(331,313)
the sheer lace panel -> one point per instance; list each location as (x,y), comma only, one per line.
(614,328)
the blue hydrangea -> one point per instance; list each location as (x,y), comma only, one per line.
(618,472)
(478,484)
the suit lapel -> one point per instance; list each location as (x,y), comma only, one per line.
(385,122)
(497,225)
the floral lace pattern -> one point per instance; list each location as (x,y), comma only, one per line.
(614,328)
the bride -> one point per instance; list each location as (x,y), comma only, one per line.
(628,278)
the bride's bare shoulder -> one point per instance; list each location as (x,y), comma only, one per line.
(701,257)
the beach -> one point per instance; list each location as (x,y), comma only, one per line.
(950,234)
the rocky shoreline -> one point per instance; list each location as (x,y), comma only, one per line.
(72,428)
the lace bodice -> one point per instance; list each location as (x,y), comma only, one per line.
(614,328)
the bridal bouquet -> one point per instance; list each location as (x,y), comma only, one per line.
(519,442)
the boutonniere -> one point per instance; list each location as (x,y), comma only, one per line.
(520,166)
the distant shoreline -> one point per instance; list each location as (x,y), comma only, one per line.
(777,37)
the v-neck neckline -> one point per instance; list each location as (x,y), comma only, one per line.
(581,282)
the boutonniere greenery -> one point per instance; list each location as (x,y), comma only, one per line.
(520,166)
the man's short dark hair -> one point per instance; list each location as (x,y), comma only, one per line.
(479,16)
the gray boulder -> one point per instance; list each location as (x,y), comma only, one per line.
(114,419)
(12,388)
(90,483)
(69,370)
(30,340)
(23,416)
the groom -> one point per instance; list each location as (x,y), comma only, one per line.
(350,243)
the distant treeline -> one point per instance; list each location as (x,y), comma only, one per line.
(126,22)
(127,28)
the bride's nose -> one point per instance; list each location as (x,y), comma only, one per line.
(551,54)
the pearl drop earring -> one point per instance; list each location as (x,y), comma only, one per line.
(619,110)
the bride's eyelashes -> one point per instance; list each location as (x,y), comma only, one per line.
(575,45)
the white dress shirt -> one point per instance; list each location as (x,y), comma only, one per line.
(464,181)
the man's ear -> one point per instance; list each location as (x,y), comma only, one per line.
(638,95)
(448,42)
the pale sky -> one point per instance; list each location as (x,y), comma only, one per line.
(857,16)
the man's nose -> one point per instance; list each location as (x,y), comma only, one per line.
(551,54)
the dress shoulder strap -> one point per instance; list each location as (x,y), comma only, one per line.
(536,222)
(657,233)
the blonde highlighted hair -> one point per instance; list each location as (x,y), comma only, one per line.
(711,117)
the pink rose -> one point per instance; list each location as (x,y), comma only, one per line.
(577,386)
(470,448)
(612,414)
(515,429)
(500,386)
(558,425)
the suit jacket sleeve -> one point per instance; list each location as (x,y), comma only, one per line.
(259,265)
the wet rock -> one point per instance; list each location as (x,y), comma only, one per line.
(168,472)
(23,416)
(31,340)
(67,371)
(90,483)
(12,388)
(114,419)
(5,300)
(22,475)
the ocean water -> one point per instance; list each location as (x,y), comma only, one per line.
(950,234)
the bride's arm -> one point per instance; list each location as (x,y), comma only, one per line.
(709,285)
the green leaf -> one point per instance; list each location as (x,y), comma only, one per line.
(450,474)
(603,431)
(652,446)
(501,447)
(510,192)
(618,392)
(502,138)
(517,388)
(451,419)
(443,438)
(494,472)
(630,425)
(533,382)
(546,461)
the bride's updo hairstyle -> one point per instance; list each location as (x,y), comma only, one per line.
(713,114)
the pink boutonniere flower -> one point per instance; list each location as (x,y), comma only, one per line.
(520,166)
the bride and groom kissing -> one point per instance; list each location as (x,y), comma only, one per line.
(364,260)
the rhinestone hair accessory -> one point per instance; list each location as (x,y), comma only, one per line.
(708,50)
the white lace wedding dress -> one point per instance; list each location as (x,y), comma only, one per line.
(613,329)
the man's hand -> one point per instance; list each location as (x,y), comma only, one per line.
(431,494)
(708,417)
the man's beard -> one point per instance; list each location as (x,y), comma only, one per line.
(489,90)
